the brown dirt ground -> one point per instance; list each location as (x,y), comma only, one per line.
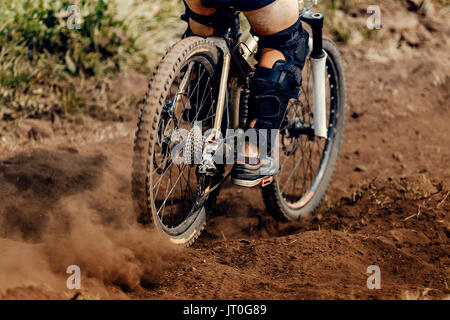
(65,199)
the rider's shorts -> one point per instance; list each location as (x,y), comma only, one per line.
(240,5)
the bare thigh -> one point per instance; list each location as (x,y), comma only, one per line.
(273,18)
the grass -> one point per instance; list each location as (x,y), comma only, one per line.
(47,67)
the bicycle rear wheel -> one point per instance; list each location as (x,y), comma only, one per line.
(168,191)
(307,162)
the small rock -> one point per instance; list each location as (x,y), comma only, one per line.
(360,168)
(397,156)
(411,108)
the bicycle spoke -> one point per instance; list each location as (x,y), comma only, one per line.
(170,192)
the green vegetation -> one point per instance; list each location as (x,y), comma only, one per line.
(46,66)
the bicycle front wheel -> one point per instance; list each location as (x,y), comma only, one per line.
(307,162)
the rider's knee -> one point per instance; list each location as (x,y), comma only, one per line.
(292,42)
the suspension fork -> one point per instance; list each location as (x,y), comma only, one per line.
(318,59)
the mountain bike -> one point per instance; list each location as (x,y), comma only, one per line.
(208,80)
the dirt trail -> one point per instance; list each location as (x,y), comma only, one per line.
(65,199)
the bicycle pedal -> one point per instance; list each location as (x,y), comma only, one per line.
(266,181)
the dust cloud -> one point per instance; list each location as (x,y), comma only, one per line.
(61,208)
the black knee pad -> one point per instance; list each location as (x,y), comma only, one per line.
(292,42)
(271,90)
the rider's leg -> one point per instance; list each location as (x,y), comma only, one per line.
(202,22)
(283,46)
(282,14)
(199,23)
(282,51)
